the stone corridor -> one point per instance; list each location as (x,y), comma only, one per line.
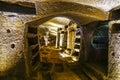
(59,40)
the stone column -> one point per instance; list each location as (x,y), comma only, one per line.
(58,38)
(46,38)
(68,38)
(56,45)
(61,38)
(65,33)
(56,41)
(114,51)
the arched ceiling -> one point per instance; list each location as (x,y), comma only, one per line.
(105,5)
(53,24)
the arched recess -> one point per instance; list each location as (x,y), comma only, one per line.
(81,14)
(96,44)
(84,13)
(31,39)
(100,37)
(114,13)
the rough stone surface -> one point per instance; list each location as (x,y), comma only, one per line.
(114,56)
(11,41)
(82,14)
(102,4)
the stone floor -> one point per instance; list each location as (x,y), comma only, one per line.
(54,68)
(57,69)
(58,74)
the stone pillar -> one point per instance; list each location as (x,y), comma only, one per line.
(58,38)
(46,38)
(114,51)
(61,38)
(71,37)
(56,41)
(65,33)
(56,45)
(68,36)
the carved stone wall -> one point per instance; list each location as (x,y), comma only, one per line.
(114,51)
(11,40)
(102,4)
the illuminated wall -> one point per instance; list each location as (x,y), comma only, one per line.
(11,41)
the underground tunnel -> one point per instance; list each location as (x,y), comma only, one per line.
(59,40)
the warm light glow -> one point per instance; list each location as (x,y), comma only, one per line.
(75,58)
(54,24)
(77,50)
(64,55)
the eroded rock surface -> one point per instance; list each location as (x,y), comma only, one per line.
(11,41)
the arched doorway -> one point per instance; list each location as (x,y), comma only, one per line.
(45,43)
(79,16)
(99,43)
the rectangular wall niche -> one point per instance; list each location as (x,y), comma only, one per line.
(115,28)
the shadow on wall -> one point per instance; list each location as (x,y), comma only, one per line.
(96,42)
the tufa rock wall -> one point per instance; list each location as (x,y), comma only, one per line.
(11,40)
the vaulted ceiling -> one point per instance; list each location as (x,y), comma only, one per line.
(53,24)
(105,5)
